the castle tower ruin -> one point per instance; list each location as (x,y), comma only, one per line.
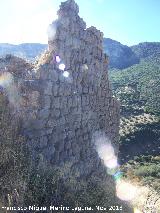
(72,96)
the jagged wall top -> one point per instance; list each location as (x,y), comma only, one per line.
(69,11)
(78,47)
(69,23)
(68,8)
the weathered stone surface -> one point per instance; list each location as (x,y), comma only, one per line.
(45,102)
(43,142)
(72,98)
(43,113)
(48,88)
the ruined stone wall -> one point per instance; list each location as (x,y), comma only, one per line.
(66,105)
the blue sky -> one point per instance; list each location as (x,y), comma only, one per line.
(127,21)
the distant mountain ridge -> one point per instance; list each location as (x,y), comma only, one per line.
(28,51)
(146,49)
(120,56)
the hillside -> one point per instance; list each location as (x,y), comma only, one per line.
(138,87)
(27,50)
(146,49)
(120,56)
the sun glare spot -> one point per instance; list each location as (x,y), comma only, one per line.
(62,67)
(137,210)
(58,59)
(111,163)
(66,74)
(118,175)
(85,67)
(51,31)
(125,191)
(112,171)
(106,153)
(6,79)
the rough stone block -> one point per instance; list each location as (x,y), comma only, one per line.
(43,142)
(55,89)
(48,88)
(56,102)
(45,102)
(43,114)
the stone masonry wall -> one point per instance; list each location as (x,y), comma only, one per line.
(66,105)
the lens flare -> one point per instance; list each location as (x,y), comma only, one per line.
(66,74)
(112,171)
(6,79)
(137,210)
(58,59)
(118,175)
(111,163)
(106,153)
(125,191)
(62,67)
(85,67)
(51,31)
(7,84)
